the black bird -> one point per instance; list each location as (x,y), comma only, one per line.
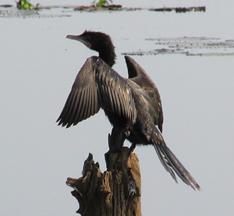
(133,106)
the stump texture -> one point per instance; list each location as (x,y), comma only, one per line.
(116,192)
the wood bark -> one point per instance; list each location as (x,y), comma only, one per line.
(116,192)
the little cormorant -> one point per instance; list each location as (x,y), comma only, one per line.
(132,105)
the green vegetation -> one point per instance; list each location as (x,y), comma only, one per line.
(101,2)
(25,4)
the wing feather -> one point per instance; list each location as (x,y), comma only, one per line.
(72,110)
(97,86)
(69,109)
(77,116)
(138,75)
(85,104)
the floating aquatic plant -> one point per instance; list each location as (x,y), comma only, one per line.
(25,4)
(101,2)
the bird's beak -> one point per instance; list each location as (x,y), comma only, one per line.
(80,38)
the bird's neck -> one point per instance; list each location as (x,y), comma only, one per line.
(108,55)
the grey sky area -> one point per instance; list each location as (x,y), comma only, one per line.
(38,67)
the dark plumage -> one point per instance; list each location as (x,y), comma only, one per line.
(133,106)
(100,42)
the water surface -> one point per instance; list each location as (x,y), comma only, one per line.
(38,67)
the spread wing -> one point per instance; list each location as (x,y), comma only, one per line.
(138,75)
(97,86)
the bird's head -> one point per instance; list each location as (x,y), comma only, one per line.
(99,42)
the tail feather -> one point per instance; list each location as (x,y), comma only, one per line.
(171,162)
(178,167)
(164,162)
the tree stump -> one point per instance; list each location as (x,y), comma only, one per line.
(116,192)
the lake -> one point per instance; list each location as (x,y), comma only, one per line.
(39,65)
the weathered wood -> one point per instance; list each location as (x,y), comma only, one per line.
(116,192)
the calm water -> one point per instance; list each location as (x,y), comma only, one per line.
(38,67)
